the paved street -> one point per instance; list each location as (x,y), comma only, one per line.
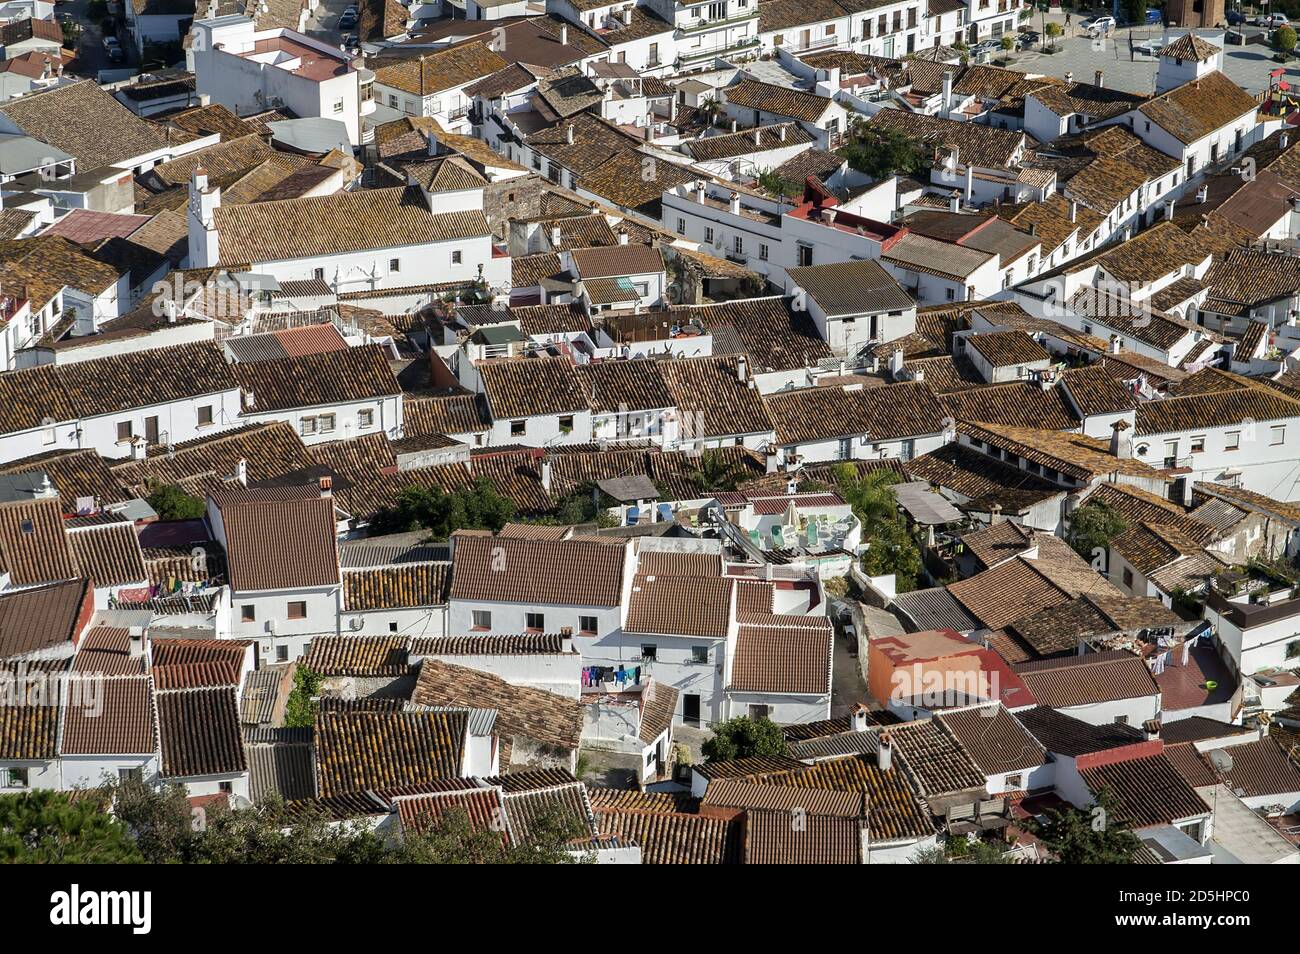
(1135,72)
(324,21)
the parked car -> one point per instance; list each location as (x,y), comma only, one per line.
(349,19)
(116,55)
(1029,38)
(1098,26)
(350,41)
(1236,18)
(1151,47)
(111,44)
(1273,21)
(985,49)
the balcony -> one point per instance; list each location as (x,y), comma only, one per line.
(703,26)
(750,44)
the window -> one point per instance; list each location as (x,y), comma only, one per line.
(517,428)
(566,424)
(699,654)
(681,226)
(307,426)
(535,621)
(456,257)
(16,778)
(281,653)
(319,274)
(205,415)
(482,619)
(587,625)
(393,101)
(1014,782)
(394,264)
(760,712)
(50,436)
(365,419)
(1277,435)
(151,430)
(1128,577)
(225,787)
(762,252)
(708,234)
(338,105)
(124,431)
(649,651)
(326,422)
(1198,444)
(738,244)
(1122,719)
(1232,440)
(130,775)
(248,613)
(805,255)
(950,294)
(297,609)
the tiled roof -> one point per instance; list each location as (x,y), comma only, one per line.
(1189,46)
(1214,409)
(33,544)
(982,479)
(564,572)
(1198,108)
(359,749)
(1015,403)
(281,770)
(123,725)
(894,812)
(1093,391)
(775,336)
(453,414)
(532,386)
(783,659)
(28,732)
(708,393)
(739,793)
(1066,735)
(976,143)
(778,100)
(414,584)
(109,555)
(446,69)
(674,838)
(198,731)
(1262,768)
(746,142)
(1075,455)
(522,712)
(1006,593)
(120,382)
(526,644)
(280,544)
(373,656)
(851,288)
(1089,679)
(630,799)
(679,605)
(1005,348)
(337,223)
(882,414)
(332,377)
(1145,791)
(994,738)
(770,838)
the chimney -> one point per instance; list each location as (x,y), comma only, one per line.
(139,449)
(734,206)
(947,92)
(555,237)
(546,474)
(1121,442)
(1203,193)
(970,184)
(1074,210)
(1283,140)
(327,486)
(758,136)
(1099,80)
(860,720)
(241,471)
(46,489)
(742,369)
(627,16)
(1169,211)
(896,364)
(1069,77)
(1116,343)
(566,639)
(622,236)
(995,514)
(568,134)
(885,753)
(771,460)
(433,142)
(783,132)
(1151,729)
(734,126)
(564,34)
(1033,230)
(954,201)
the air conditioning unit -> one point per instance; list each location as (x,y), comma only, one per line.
(356,623)
(271,626)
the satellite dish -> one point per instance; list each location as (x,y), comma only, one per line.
(1221,761)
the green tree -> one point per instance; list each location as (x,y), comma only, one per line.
(476,507)
(299,709)
(891,545)
(714,472)
(168,831)
(1093,526)
(172,503)
(1054,30)
(770,181)
(880,152)
(584,504)
(1008,43)
(1133,11)
(743,737)
(1284,38)
(1090,836)
(48,827)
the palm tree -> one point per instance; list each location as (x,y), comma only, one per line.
(710,109)
(715,473)
(871,495)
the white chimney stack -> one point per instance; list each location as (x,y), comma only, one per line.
(734,205)
(568,134)
(564,34)
(885,753)
(860,720)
